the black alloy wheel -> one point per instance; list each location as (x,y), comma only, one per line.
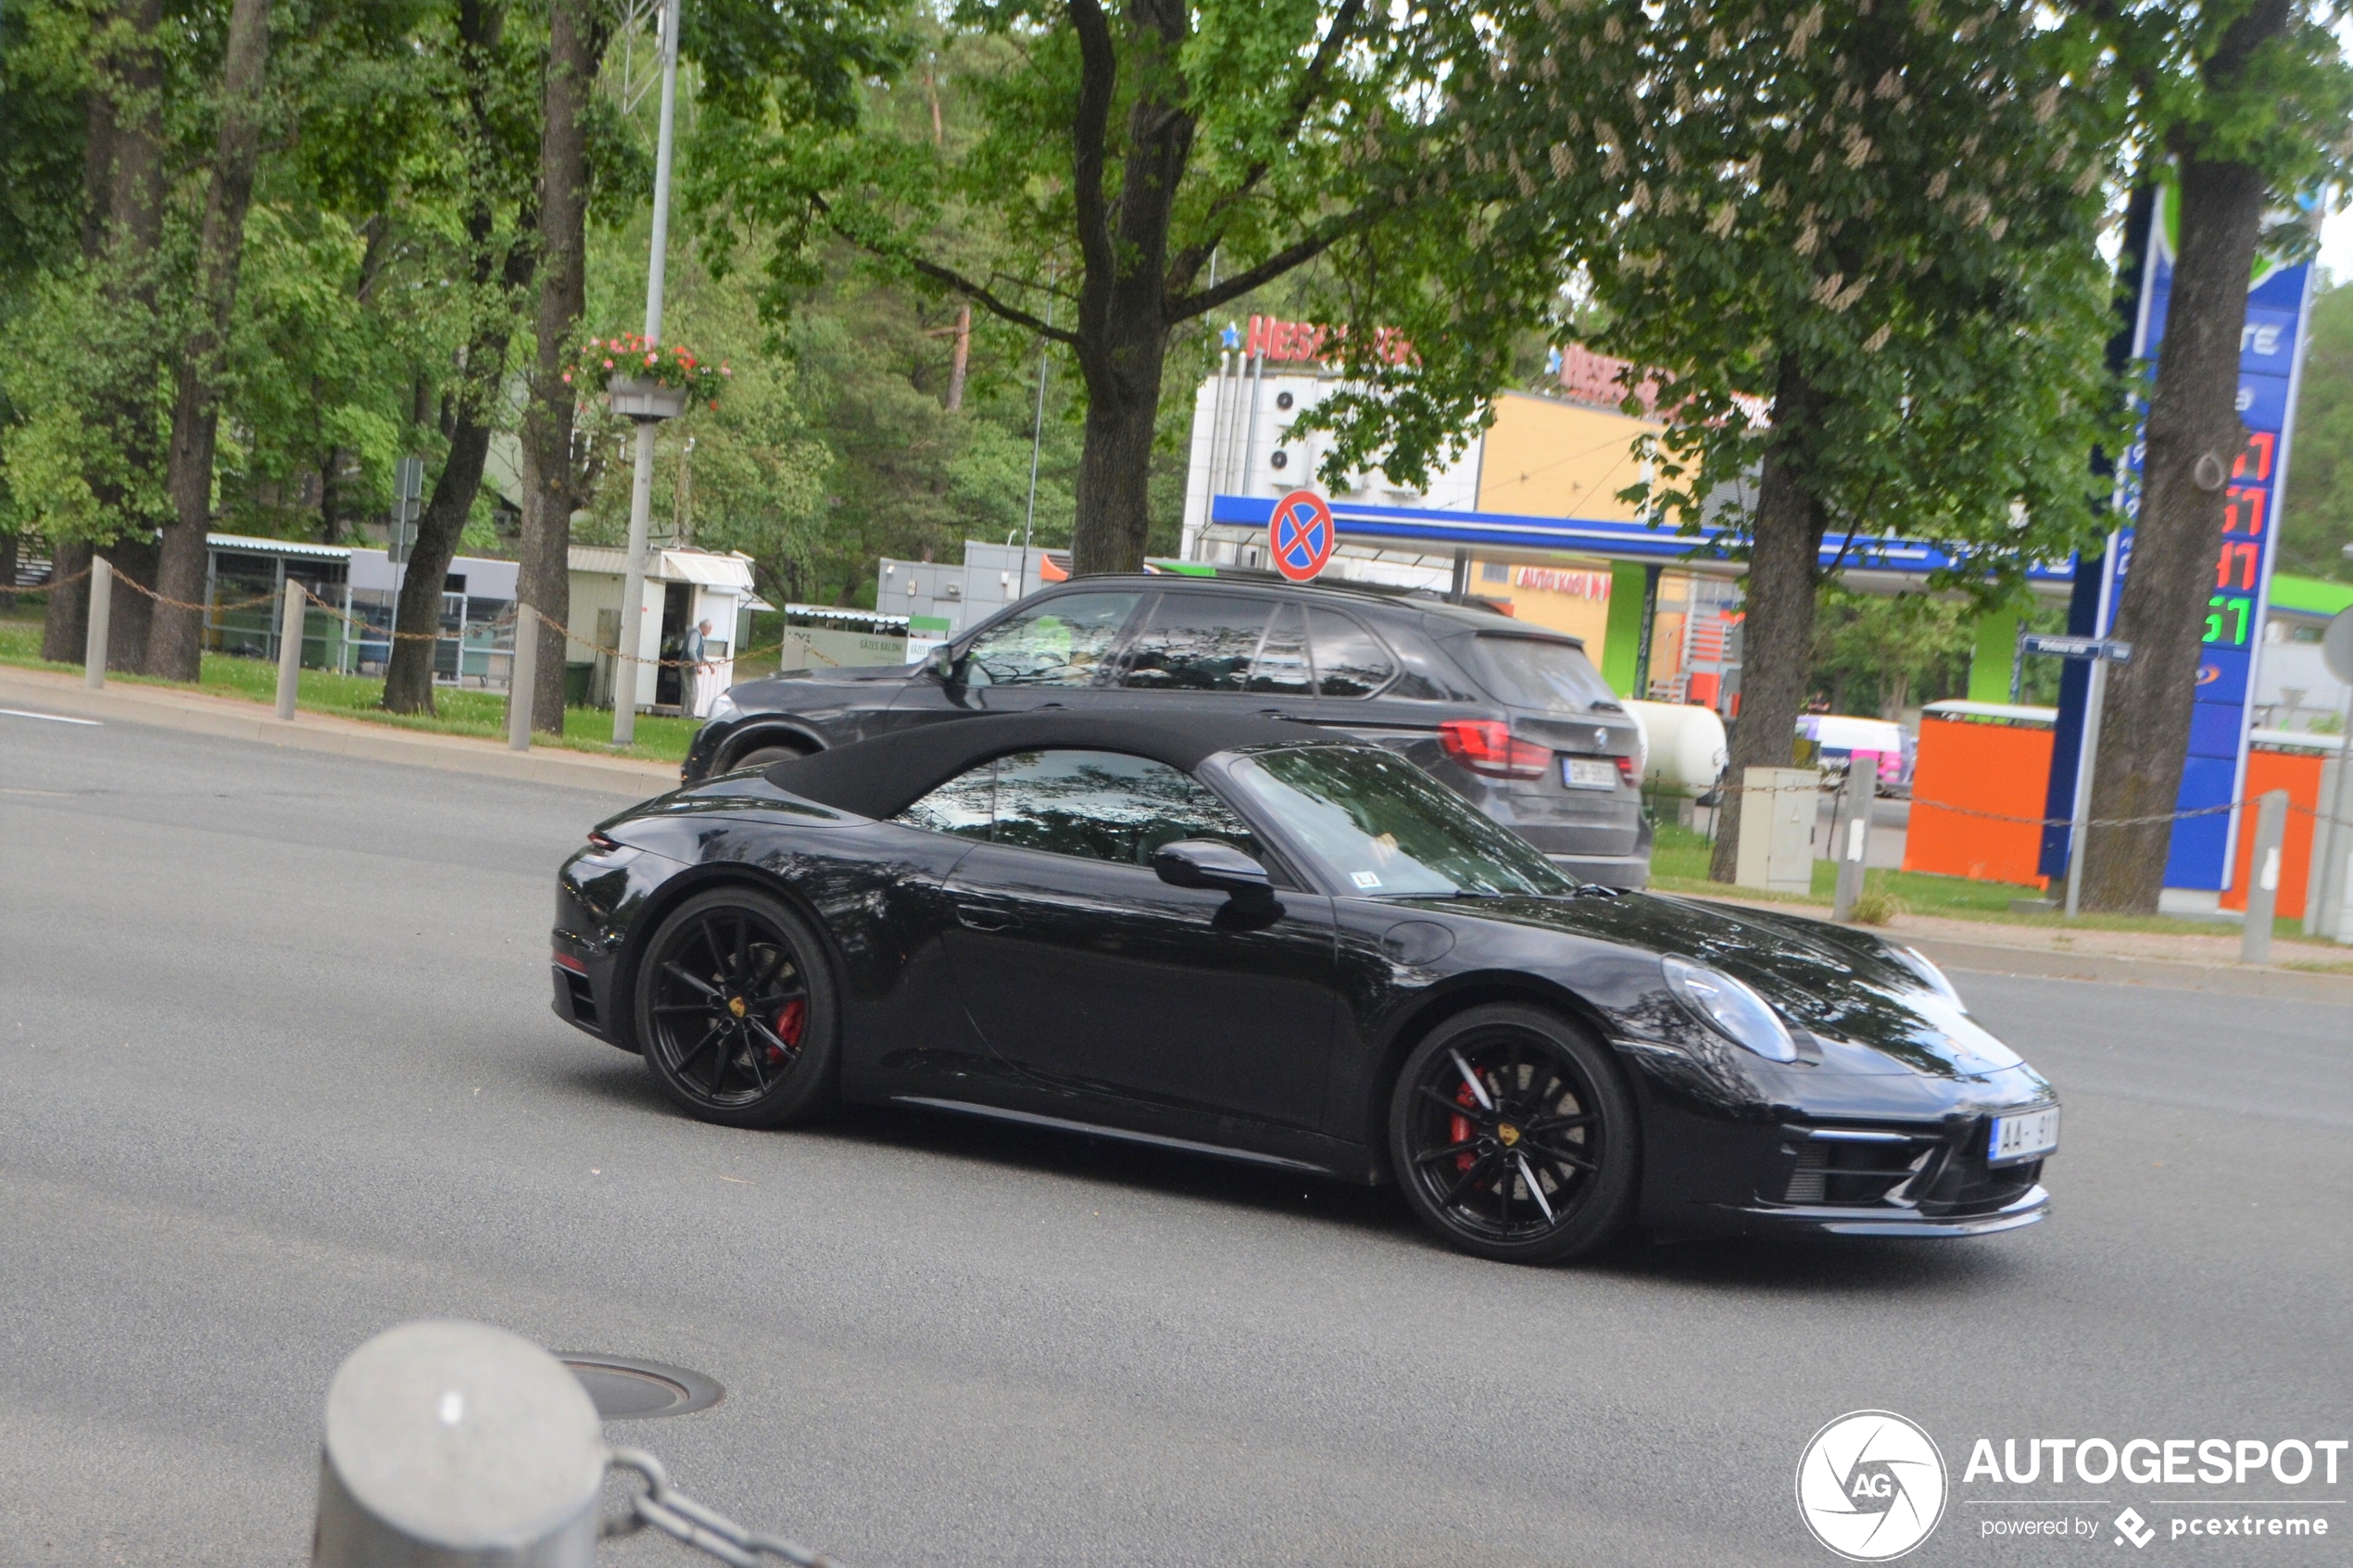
(736,1011)
(1514,1137)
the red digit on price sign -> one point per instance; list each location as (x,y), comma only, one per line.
(2242,508)
(1301,535)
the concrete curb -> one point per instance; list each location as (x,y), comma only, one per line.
(201,714)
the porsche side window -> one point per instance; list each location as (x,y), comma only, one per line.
(1282,665)
(1064,642)
(964,806)
(1350,661)
(1198,643)
(1106,805)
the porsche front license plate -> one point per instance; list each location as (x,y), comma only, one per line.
(1585,772)
(2030,1134)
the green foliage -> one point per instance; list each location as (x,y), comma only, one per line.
(1308,134)
(92,402)
(1881,653)
(1884,218)
(2318,522)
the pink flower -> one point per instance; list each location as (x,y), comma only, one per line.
(567,378)
(649,358)
(607,364)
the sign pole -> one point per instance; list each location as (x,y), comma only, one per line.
(641,489)
(2078,827)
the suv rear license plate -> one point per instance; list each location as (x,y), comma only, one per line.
(2027,1135)
(1586,773)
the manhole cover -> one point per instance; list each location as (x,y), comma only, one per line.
(627,1389)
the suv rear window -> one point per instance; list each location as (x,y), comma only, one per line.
(1540,674)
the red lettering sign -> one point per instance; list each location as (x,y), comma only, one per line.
(1311,343)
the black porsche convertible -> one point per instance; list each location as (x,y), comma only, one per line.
(1234,935)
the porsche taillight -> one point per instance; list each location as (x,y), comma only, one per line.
(1487,747)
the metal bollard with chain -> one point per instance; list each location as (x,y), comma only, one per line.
(450,1444)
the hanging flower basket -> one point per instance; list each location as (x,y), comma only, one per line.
(645,381)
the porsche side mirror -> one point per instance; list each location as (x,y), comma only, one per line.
(1205,862)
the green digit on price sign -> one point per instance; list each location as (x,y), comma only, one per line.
(2226,617)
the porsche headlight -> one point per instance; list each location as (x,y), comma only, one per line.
(1917,963)
(722,707)
(1731,1008)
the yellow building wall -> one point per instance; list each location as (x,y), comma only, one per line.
(1544,458)
(1574,613)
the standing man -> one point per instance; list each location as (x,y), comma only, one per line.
(701,674)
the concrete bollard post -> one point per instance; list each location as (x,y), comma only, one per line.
(523,673)
(290,649)
(94,647)
(2263,877)
(454,1443)
(1851,832)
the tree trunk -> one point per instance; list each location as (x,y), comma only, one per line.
(1122,294)
(1114,468)
(174,646)
(469,408)
(551,491)
(1777,623)
(131,618)
(64,622)
(959,360)
(408,675)
(2193,422)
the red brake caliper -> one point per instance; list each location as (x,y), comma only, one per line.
(1458,1129)
(789,1024)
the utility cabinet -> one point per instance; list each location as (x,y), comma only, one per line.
(1778,809)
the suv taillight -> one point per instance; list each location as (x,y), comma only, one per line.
(1485,746)
(1625,774)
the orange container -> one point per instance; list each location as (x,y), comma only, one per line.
(2271,766)
(1984,757)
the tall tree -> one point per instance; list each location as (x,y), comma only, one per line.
(551,491)
(1856,245)
(494,132)
(2251,100)
(1118,151)
(174,640)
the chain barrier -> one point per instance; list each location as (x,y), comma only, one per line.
(690,1522)
(2312,811)
(373,633)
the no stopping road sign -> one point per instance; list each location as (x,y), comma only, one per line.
(1301,535)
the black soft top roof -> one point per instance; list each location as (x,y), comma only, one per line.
(883,776)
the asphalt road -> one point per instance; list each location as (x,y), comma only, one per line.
(277,1072)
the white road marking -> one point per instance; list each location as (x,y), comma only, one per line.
(53,717)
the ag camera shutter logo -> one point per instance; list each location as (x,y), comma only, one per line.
(1871,1485)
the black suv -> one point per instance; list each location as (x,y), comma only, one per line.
(1511,716)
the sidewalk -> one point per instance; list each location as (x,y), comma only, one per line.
(48,692)
(2134,958)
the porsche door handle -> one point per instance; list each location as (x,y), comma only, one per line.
(975,917)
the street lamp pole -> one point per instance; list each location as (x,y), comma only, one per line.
(641,488)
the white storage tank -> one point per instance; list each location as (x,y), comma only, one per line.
(1685,744)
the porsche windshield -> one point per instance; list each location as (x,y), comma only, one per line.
(1380,827)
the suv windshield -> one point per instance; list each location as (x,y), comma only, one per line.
(1380,827)
(1540,674)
